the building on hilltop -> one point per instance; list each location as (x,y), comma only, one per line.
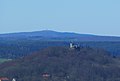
(74,46)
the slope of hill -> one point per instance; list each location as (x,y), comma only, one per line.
(61,36)
(15,45)
(20,48)
(64,64)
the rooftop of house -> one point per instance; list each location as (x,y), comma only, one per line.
(4,78)
(46,75)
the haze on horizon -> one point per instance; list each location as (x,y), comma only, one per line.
(99,17)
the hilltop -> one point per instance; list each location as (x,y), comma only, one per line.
(50,35)
(64,64)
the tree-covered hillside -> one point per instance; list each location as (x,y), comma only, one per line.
(64,64)
(20,48)
(16,45)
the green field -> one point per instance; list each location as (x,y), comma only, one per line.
(4,60)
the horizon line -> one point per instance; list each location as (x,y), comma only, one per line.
(15,32)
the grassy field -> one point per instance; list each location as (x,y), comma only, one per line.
(4,60)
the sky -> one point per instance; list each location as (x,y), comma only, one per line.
(100,17)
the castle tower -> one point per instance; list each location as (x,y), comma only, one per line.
(71,45)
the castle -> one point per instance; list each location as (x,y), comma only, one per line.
(74,46)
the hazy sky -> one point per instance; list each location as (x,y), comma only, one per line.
(100,17)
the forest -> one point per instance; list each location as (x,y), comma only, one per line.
(42,57)
(11,49)
(64,64)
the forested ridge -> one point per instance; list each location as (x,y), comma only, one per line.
(64,64)
(17,45)
(12,49)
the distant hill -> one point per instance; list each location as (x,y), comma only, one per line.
(16,45)
(61,36)
(64,64)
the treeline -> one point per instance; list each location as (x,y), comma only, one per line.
(20,48)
